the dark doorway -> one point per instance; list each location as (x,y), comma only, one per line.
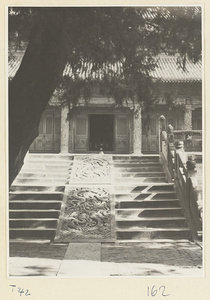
(101,132)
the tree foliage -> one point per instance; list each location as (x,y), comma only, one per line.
(133,36)
(95,37)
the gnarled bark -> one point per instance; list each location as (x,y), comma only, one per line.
(33,85)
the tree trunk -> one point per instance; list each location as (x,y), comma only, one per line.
(33,85)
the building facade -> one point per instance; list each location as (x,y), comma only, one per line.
(101,125)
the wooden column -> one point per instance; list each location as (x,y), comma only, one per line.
(64,129)
(137,130)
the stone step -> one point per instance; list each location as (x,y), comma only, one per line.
(154,186)
(134,164)
(38,188)
(136,158)
(132,195)
(148,203)
(30,241)
(139,169)
(47,166)
(32,233)
(44,157)
(160,187)
(50,161)
(133,242)
(160,222)
(30,204)
(41,175)
(63,171)
(154,233)
(48,169)
(45,162)
(149,212)
(145,196)
(35,196)
(40,181)
(140,179)
(38,213)
(141,174)
(149,188)
(33,223)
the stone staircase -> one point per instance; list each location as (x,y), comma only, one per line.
(146,206)
(35,196)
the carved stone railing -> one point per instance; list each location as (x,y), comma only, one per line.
(181,169)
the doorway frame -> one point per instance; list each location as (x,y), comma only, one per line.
(99,110)
(114,130)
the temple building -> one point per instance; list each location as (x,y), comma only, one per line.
(100,124)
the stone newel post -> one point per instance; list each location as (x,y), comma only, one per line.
(191,169)
(162,131)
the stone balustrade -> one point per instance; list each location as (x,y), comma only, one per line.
(180,167)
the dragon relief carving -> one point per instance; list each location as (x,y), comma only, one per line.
(87,213)
(91,169)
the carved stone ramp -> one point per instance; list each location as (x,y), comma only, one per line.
(87,209)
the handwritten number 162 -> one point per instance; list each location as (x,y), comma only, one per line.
(153,291)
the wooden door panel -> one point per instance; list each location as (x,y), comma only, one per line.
(81,133)
(150,140)
(154,135)
(48,139)
(38,143)
(80,143)
(48,145)
(121,134)
(57,133)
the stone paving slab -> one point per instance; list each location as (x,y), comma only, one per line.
(38,250)
(105,260)
(177,254)
(35,259)
(23,266)
(29,267)
(83,268)
(83,251)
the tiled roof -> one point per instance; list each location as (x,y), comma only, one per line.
(88,70)
(14,64)
(152,12)
(168,70)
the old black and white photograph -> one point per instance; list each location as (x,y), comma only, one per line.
(105,141)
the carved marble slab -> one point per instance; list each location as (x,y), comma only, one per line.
(91,169)
(85,215)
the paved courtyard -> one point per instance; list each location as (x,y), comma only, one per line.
(106,259)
